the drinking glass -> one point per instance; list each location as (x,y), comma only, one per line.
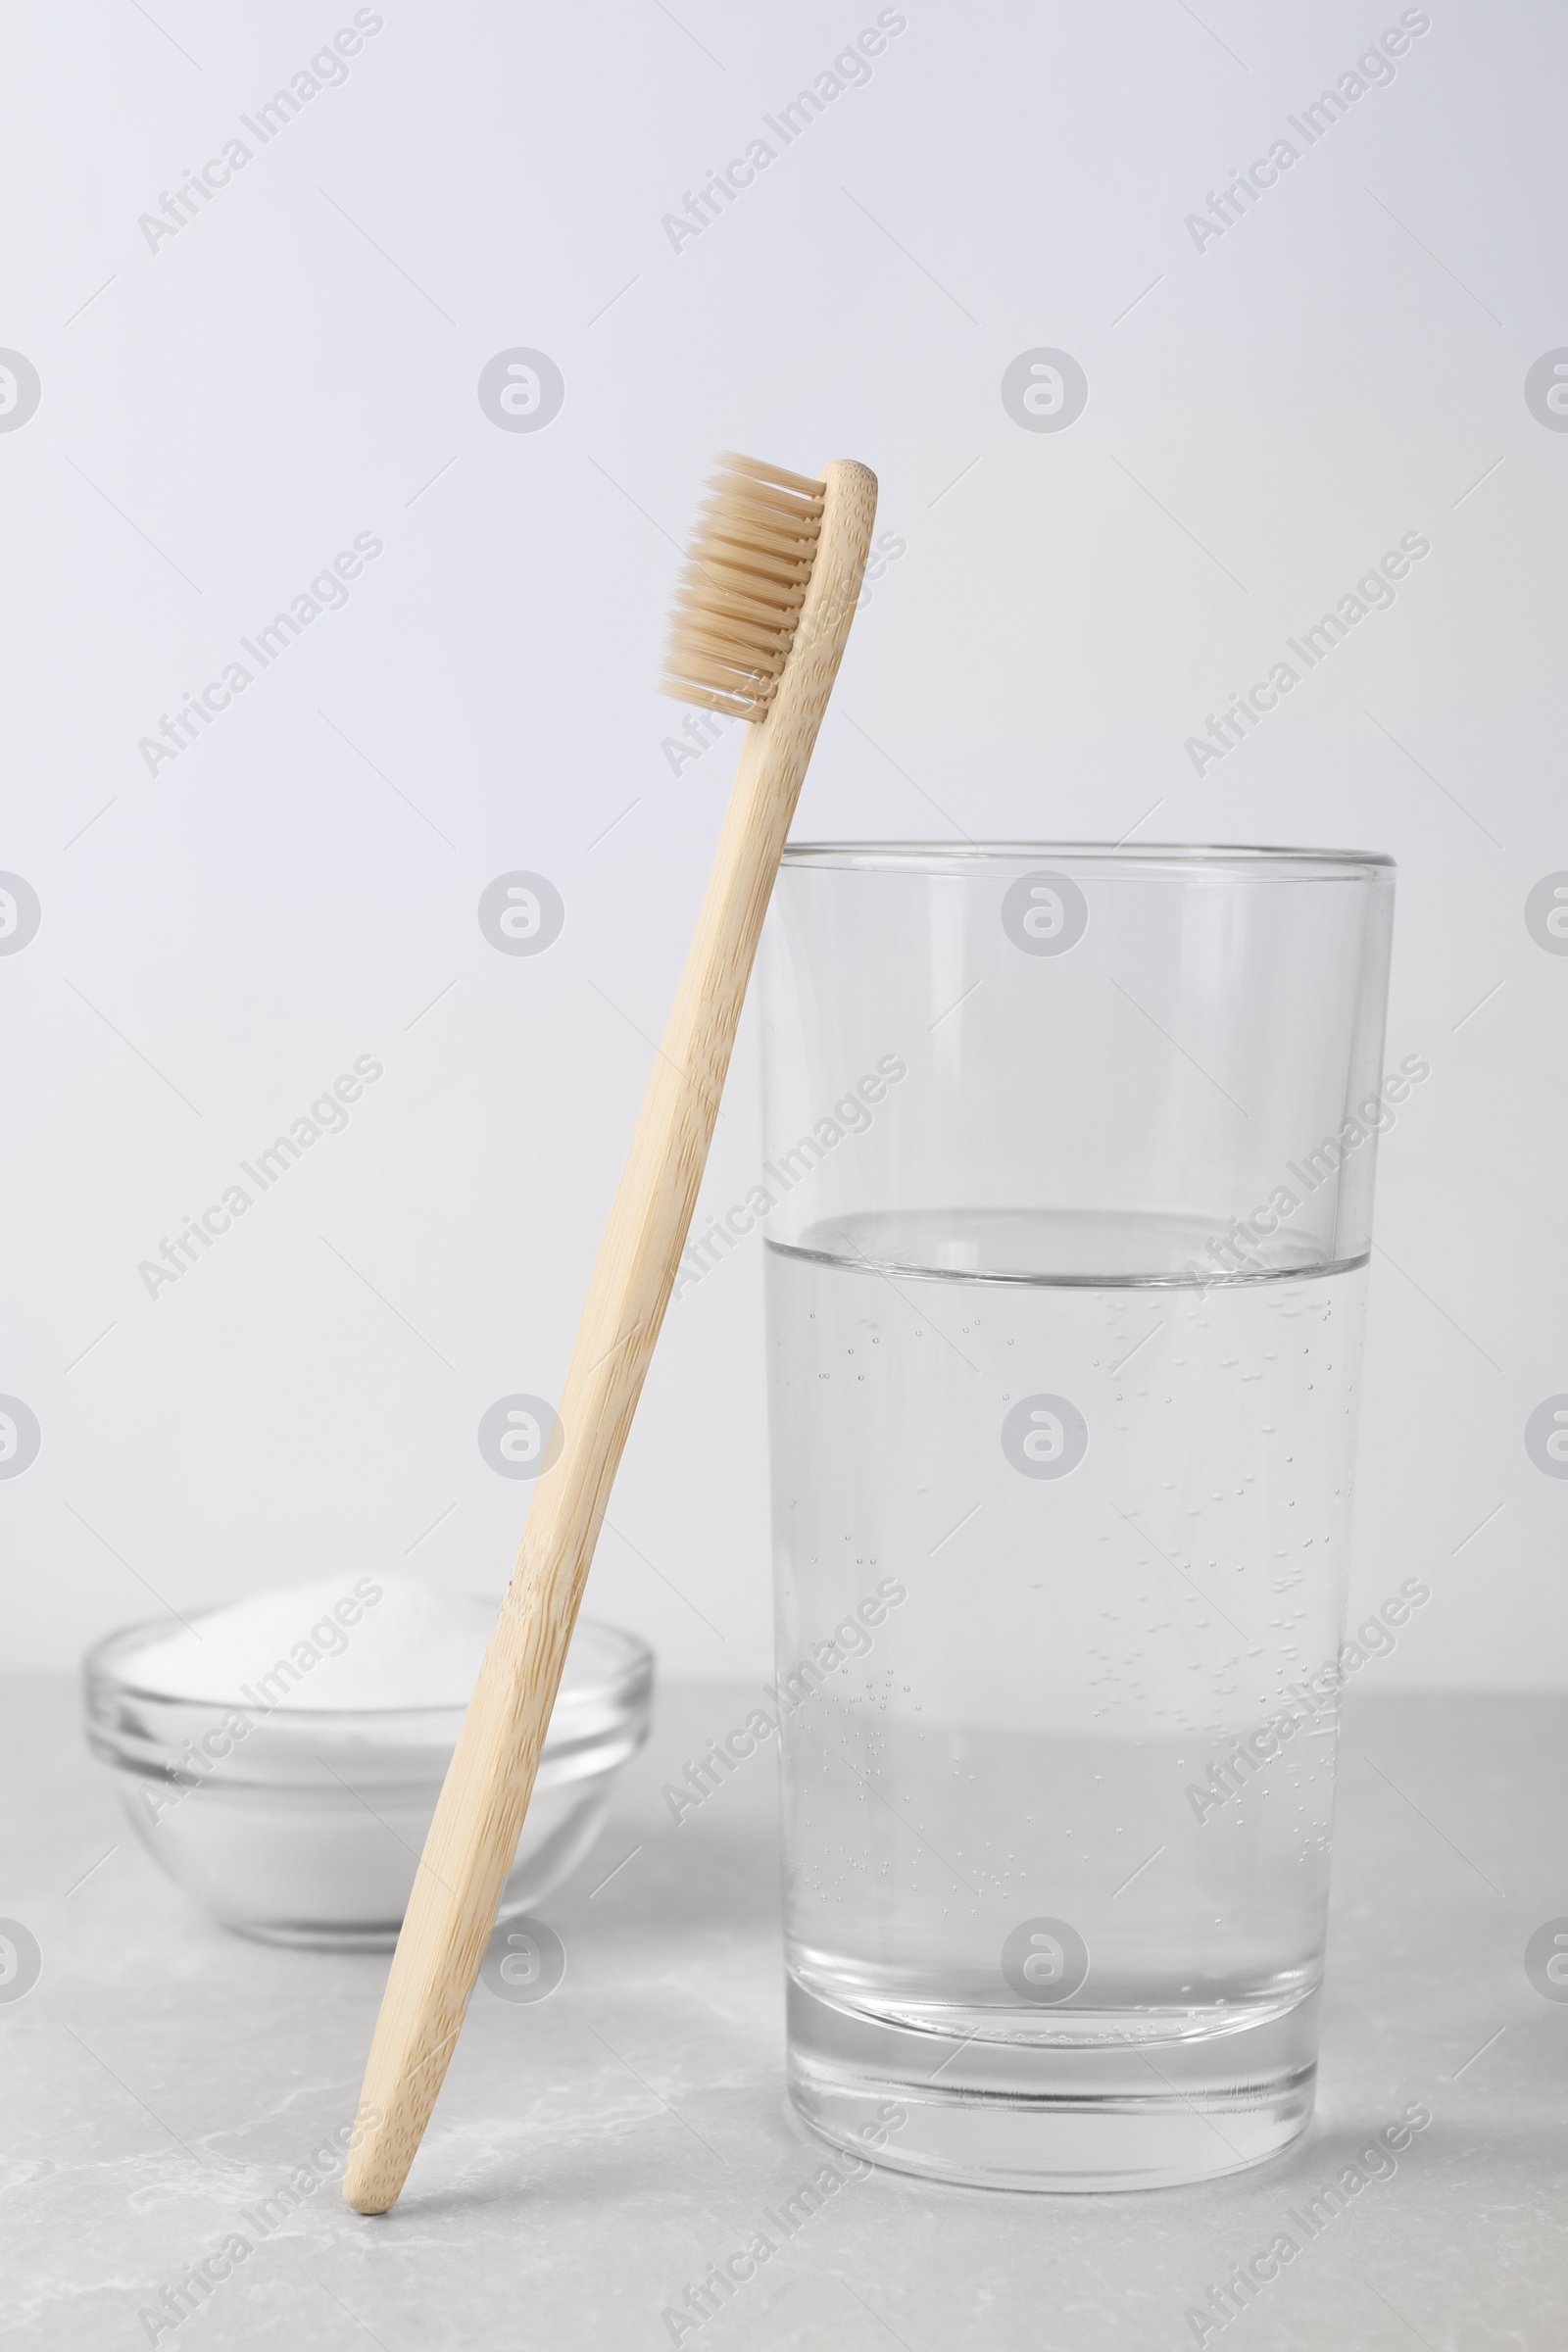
(1069,1158)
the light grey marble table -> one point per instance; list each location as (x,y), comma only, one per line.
(594,2154)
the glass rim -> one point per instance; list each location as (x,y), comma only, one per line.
(1176,857)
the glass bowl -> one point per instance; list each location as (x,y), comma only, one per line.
(305,1826)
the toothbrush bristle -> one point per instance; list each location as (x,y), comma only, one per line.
(740,596)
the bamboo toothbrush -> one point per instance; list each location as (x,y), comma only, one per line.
(765,608)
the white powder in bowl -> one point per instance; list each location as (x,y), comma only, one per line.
(349,1642)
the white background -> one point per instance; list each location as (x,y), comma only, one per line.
(221,414)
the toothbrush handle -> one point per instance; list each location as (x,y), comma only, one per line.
(473,1837)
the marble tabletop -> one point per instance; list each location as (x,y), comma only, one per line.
(593,2154)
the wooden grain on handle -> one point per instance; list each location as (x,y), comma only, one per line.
(473,1837)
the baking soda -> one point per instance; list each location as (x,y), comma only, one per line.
(366,1642)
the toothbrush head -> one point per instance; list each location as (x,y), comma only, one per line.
(739,600)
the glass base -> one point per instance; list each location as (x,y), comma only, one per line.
(1109,2114)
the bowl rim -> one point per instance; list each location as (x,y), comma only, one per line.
(100,1671)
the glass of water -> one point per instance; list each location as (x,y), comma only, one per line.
(1069,1157)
